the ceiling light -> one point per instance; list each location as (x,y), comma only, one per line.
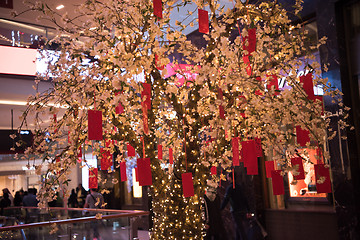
(60,7)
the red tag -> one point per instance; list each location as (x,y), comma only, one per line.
(235,151)
(248,67)
(249,42)
(319,158)
(188,185)
(119,109)
(277,182)
(323,183)
(55,121)
(158,8)
(171,157)
(79,152)
(248,156)
(145,118)
(69,142)
(302,136)
(273,81)
(308,85)
(258,147)
(203,21)
(130,151)
(221,112)
(269,166)
(146,95)
(94,125)
(57,159)
(160,152)
(157,63)
(213,170)
(144,170)
(320,98)
(136,175)
(297,161)
(106,159)
(123,171)
(93,178)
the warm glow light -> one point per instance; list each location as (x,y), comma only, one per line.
(10,102)
(60,7)
(137,189)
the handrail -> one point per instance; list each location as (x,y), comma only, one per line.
(78,209)
(122,213)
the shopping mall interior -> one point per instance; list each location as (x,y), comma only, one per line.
(137,202)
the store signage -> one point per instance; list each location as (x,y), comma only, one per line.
(24,61)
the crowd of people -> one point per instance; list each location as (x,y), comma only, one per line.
(79,198)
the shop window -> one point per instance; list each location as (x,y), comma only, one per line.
(305,188)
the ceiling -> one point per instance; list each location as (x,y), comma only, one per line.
(14,90)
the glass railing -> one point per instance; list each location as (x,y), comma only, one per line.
(19,34)
(27,223)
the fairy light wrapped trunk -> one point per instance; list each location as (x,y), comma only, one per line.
(114,59)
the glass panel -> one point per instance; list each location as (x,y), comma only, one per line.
(112,225)
(18,34)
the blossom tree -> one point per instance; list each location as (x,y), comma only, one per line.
(184,109)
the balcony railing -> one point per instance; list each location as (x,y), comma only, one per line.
(25,223)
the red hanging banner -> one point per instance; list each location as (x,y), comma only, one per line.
(171,157)
(146,95)
(213,170)
(297,163)
(269,166)
(302,136)
(323,183)
(308,85)
(130,150)
(221,112)
(119,109)
(319,156)
(106,159)
(249,42)
(123,171)
(221,107)
(248,156)
(144,170)
(79,152)
(273,81)
(258,147)
(68,137)
(157,8)
(277,182)
(93,178)
(248,67)
(145,118)
(321,99)
(136,174)
(235,151)
(187,184)
(95,125)
(203,21)
(55,121)
(158,64)
(160,152)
